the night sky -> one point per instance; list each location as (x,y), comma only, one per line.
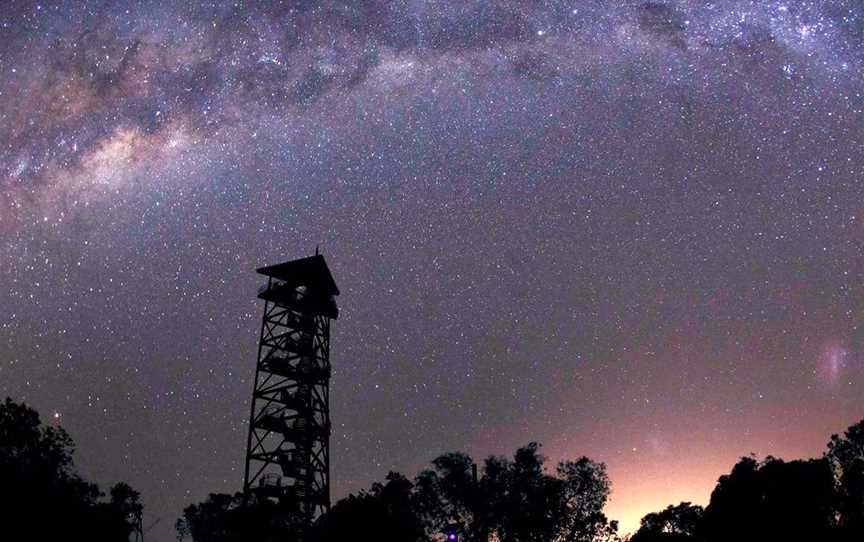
(632,230)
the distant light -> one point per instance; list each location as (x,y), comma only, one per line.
(451,536)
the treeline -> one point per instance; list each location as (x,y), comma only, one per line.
(518,499)
(514,499)
(812,500)
(42,497)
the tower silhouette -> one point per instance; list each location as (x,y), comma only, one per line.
(288,450)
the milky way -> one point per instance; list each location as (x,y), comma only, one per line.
(629,230)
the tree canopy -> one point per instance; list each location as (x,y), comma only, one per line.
(678,523)
(522,499)
(512,500)
(43,498)
(846,455)
(816,499)
(772,500)
(515,500)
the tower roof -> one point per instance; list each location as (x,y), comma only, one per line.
(312,272)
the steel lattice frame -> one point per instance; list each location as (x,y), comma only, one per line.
(288,454)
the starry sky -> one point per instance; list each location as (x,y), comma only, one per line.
(632,230)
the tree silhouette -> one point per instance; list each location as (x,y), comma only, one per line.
(41,496)
(817,499)
(530,507)
(446,494)
(674,524)
(774,500)
(233,518)
(846,455)
(513,501)
(585,490)
(519,500)
(383,513)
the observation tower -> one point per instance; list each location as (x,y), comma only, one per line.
(288,450)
